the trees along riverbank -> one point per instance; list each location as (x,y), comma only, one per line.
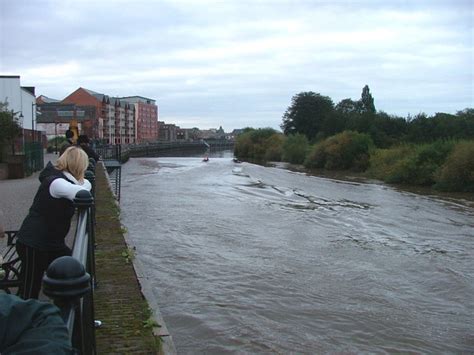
(436,151)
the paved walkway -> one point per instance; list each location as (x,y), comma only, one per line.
(16,197)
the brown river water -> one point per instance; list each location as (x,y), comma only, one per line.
(246,259)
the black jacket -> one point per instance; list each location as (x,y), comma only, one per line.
(32,327)
(90,152)
(49,219)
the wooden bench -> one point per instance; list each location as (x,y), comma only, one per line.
(10,265)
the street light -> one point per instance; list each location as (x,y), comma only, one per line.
(33,121)
(56,137)
(22,132)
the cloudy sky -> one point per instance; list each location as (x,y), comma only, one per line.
(238,63)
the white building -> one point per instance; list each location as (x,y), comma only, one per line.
(20,99)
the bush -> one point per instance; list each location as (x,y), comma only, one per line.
(295,148)
(383,161)
(457,172)
(346,150)
(259,144)
(274,147)
(410,164)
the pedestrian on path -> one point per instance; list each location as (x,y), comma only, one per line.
(83,141)
(69,141)
(42,233)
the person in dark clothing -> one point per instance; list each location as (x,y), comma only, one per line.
(69,141)
(42,233)
(83,142)
(32,327)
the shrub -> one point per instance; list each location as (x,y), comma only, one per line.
(316,157)
(259,144)
(346,150)
(409,164)
(274,147)
(457,172)
(295,148)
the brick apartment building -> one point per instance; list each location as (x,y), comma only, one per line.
(146,115)
(118,120)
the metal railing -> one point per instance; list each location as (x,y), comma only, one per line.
(70,280)
(34,160)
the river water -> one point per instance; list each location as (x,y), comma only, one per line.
(248,259)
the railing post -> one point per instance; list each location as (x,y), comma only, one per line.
(89,175)
(66,281)
(84,202)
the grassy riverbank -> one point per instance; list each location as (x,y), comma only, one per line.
(127,322)
(445,165)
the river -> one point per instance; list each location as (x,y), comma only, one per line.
(248,259)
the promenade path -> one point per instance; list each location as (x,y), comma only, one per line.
(16,197)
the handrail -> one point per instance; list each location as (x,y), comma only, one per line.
(69,280)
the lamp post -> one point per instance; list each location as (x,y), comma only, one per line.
(22,132)
(33,120)
(56,137)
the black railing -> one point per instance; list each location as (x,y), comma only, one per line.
(113,156)
(70,280)
(34,160)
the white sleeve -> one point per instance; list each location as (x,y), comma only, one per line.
(61,188)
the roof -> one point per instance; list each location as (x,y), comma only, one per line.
(47,100)
(97,95)
(138,97)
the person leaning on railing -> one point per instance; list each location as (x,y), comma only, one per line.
(40,239)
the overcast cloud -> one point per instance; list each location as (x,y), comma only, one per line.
(238,63)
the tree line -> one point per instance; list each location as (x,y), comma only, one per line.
(435,150)
(317,117)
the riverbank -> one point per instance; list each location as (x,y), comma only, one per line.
(360,177)
(129,324)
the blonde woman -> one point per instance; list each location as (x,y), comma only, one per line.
(42,233)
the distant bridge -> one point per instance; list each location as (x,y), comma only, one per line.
(155,149)
(121,153)
(114,156)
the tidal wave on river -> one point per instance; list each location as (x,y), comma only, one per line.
(250,259)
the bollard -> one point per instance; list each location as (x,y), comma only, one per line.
(91,166)
(83,199)
(66,281)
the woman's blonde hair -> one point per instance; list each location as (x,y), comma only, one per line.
(75,161)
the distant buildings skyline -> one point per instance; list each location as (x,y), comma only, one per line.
(113,120)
